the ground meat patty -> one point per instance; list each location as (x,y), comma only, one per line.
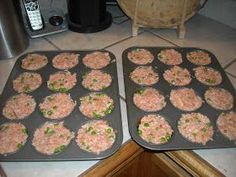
(170,57)
(13,136)
(219,98)
(96,105)
(144,75)
(149,99)
(155,129)
(27,82)
(34,62)
(208,75)
(177,76)
(57,106)
(199,57)
(140,56)
(185,99)
(61,81)
(19,106)
(97,60)
(96,80)
(95,136)
(52,138)
(196,128)
(226,123)
(65,60)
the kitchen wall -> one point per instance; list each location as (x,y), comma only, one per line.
(223,11)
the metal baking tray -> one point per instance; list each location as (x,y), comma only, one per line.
(74,121)
(171,113)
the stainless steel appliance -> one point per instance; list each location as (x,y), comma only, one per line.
(13,37)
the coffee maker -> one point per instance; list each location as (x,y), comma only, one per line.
(87,16)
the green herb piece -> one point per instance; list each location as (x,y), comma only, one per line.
(49,131)
(109,109)
(59,149)
(26,89)
(146,124)
(43,111)
(210,81)
(194,134)
(24,130)
(204,129)
(93,132)
(49,98)
(62,89)
(165,138)
(20,145)
(94,80)
(140,132)
(89,129)
(109,130)
(50,112)
(208,124)
(140,91)
(4,128)
(96,115)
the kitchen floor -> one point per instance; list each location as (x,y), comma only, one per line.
(201,32)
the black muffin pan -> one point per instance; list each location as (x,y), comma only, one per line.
(169,112)
(74,121)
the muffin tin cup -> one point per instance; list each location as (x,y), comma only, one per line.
(74,121)
(171,113)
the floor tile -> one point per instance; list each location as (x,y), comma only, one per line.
(126,135)
(7,65)
(232,68)
(233,80)
(205,33)
(144,39)
(117,14)
(78,41)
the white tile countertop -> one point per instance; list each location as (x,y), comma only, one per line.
(201,32)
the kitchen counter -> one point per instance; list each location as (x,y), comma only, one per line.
(201,32)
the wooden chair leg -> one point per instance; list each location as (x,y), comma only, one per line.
(135,28)
(135,24)
(181,28)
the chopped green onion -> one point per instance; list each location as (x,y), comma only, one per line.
(20,145)
(59,149)
(146,124)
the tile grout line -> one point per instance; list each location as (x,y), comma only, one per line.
(122,40)
(162,38)
(54,45)
(122,98)
(230,63)
(230,74)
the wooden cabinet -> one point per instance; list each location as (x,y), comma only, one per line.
(133,161)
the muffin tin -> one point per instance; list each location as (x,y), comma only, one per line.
(74,121)
(171,113)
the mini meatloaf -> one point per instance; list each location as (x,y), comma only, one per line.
(144,75)
(196,127)
(61,81)
(149,99)
(96,105)
(208,75)
(170,57)
(96,80)
(185,99)
(52,138)
(13,136)
(95,136)
(140,56)
(155,129)
(219,98)
(199,57)
(34,62)
(27,82)
(226,123)
(57,106)
(97,60)
(177,76)
(65,60)
(19,106)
